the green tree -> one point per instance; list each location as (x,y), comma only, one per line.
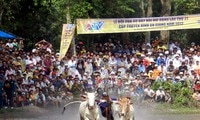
(185,7)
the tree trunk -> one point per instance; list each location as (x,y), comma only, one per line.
(166,10)
(1,15)
(149,14)
(2,7)
(125,38)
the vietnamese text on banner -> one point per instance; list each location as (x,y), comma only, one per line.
(66,38)
(120,25)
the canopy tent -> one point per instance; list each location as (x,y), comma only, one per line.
(43,44)
(6,35)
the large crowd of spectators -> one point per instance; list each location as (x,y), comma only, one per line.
(39,78)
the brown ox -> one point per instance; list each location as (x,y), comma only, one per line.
(124,108)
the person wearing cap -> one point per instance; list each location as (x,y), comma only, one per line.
(150,66)
(169,78)
(161,59)
(160,95)
(182,76)
(176,61)
(104,103)
(176,80)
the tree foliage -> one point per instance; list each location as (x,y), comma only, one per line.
(42,19)
(185,7)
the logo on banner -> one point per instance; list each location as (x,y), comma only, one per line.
(94,25)
(69,28)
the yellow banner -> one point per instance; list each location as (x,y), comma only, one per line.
(96,26)
(66,38)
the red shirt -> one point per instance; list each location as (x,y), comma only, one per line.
(197,87)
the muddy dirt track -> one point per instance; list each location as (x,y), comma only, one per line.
(71,113)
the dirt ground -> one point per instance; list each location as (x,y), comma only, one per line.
(71,113)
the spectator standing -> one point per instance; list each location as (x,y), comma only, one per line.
(1,89)
(88,67)
(41,99)
(9,87)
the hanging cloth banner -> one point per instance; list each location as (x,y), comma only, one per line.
(66,39)
(121,25)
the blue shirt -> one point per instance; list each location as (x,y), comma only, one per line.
(141,68)
(160,60)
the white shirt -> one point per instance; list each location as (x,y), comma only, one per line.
(160,92)
(113,63)
(88,68)
(98,61)
(71,64)
(149,92)
(196,58)
(177,63)
(162,69)
(61,69)
(10,45)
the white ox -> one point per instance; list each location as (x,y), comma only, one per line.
(88,108)
(123,109)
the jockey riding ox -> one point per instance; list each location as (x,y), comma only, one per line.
(124,108)
(88,108)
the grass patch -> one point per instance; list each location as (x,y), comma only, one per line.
(171,109)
